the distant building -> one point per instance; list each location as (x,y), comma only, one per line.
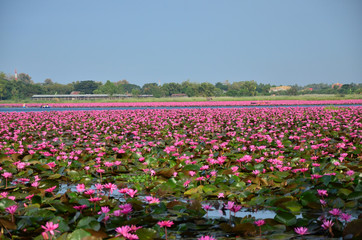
(280,88)
(75,93)
(145,96)
(178,95)
(71,96)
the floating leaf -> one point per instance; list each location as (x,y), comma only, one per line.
(146,233)
(96,235)
(208,189)
(293,206)
(89,222)
(338,203)
(63,226)
(244,229)
(326,179)
(5,202)
(308,198)
(54,176)
(78,234)
(286,218)
(193,191)
(343,192)
(27,157)
(281,236)
(355,196)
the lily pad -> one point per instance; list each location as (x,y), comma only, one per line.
(78,234)
(146,233)
(286,218)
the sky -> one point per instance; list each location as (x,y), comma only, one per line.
(280,42)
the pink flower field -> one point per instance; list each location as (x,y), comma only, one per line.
(182,173)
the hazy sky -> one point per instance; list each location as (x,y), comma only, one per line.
(269,41)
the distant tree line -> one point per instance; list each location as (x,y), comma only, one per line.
(24,87)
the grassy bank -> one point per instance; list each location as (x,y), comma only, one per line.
(312,97)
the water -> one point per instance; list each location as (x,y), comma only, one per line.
(143,108)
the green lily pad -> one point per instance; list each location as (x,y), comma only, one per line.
(89,222)
(355,196)
(78,234)
(5,202)
(146,233)
(192,191)
(63,226)
(54,176)
(293,206)
(286,218)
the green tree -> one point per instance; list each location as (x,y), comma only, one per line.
(221,86)
(171,88)
(108,88)
(263,89)
(207,89)
(292,91)
(86,87)
(128,88)
(48,81)
(243,88)
(25,78)
(189,88)
(135,92)
(152,89)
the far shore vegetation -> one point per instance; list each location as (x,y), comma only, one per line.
(22,88)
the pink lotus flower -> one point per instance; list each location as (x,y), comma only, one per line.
(104,210)
(7,175)
(95,199)
(324,203)
(80,208)
(126,232)
(165,223)
(51,165)
(229,205)
(206,238)
(259,222)
(131,192)
(322,192)
(335,212)
(327,224)
(186,183)
(50,190)
(301,230)
(12,209)
(152,200)
(80,188)
(346,217)
(125,209)
(192,173)
(207,207)
(50,227)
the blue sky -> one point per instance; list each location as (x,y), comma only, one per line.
(269,41)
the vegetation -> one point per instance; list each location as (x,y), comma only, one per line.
(23,88)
